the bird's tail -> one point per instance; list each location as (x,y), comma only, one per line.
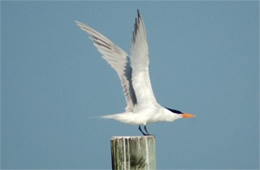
(113,116)
(126,117)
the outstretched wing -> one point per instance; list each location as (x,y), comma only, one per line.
(139,56)
(118,60)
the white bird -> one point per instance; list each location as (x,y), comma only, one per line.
(133,70)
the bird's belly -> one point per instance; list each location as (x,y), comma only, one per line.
(146,115)
(132,118)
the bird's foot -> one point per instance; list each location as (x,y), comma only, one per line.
(146,133)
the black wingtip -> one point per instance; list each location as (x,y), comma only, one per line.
(137,20)
(138,13)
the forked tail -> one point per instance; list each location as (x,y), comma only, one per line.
(127,117)
(113,116)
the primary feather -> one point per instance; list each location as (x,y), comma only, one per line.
(118,60)
(139,55)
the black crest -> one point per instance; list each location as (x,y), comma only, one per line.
(174,111)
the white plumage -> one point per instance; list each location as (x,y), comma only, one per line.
(133,71)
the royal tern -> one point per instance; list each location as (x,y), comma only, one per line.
(133,70)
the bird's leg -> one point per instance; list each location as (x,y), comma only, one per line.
(142,130)
(147,133)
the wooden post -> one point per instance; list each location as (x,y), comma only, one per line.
(133,152)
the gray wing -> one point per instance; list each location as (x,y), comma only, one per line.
(118,60)
(139,56)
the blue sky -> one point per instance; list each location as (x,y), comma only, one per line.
(204,60)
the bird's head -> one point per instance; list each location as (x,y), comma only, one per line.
(183,115)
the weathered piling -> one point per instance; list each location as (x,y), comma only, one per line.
(133,152)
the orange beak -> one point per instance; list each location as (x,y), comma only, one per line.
(187,115)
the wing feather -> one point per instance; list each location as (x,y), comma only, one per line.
(139,56)
(118,60)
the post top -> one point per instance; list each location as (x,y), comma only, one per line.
(131,137)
